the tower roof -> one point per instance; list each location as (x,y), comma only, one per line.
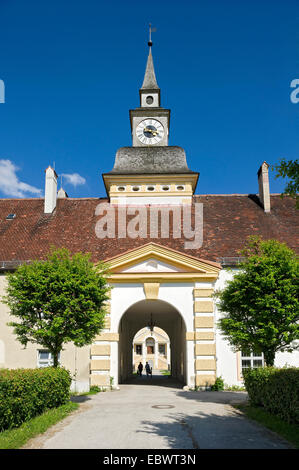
(150,160)
(149,81)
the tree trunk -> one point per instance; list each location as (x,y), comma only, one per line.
(269,358)
(55,359)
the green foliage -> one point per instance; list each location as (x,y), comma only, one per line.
(94,389)
(234,388)
(17,437)
(260,304)
(277,390)
(255,381)
(25,393)
(218,385)
(289,169)
(288,431)
(57,301)
(111,380)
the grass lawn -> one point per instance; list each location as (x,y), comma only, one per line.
(290,432)
(17,437)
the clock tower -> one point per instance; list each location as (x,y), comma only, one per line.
(149,122)
(150,171)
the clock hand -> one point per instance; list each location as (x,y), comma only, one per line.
(151,131)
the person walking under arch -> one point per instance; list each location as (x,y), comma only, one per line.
(148,370)
(140,369)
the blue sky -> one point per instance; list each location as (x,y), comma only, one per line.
(72,71)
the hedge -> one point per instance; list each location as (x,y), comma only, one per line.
(277,390)
(25,393)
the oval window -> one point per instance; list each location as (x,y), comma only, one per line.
(135,188)
(151,188)
(165,188)
(149,100)
(121,188)
(180,188)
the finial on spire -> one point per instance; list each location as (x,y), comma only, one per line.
(151,30)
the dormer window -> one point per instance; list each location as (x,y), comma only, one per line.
(10,216)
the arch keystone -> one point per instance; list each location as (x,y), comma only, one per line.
(151,290)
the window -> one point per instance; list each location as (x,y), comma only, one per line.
(139,349)
(162,349)
(251,360)
(149,100)
(150,345)
(45,359)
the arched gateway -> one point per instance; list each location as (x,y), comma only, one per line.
(165,316)
(176,291)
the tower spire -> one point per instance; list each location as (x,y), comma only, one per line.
(149,81)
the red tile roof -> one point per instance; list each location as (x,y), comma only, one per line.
(227,221)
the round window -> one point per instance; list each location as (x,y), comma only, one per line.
(149,100)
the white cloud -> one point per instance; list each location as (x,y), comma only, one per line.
(75,179)
(10,184)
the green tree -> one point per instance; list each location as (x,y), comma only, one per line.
(58,300)
(260,304)
(289,169)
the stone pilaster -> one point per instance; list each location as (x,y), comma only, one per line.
(204,337)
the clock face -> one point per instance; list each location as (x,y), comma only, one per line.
(150,131)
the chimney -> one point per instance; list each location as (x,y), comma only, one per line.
(264,188)
(50,190)
(61,194)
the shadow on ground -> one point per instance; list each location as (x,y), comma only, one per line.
(224,397)
(79,398)
(155,379)
(208,430)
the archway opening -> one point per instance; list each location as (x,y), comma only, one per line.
(152,347)
(159,314)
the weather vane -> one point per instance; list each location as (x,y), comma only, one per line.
(151,30)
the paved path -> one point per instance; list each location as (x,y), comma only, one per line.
(138,417)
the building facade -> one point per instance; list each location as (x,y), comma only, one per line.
(152,346)
(168,251)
